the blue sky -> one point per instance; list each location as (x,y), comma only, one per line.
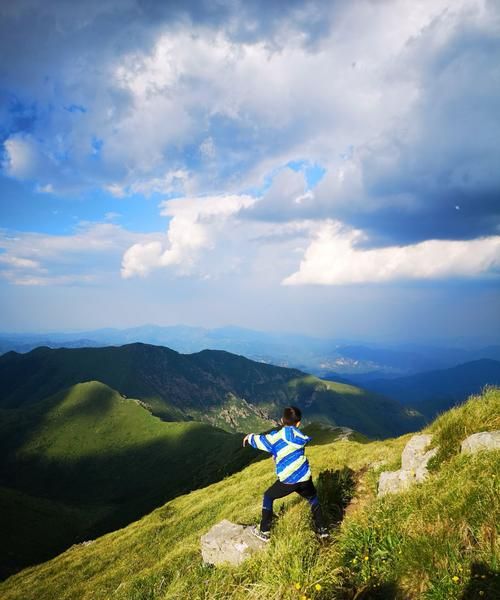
(330,168)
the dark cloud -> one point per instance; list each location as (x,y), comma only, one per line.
(435,172)
(446,161)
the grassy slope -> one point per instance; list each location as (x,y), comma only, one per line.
(224,389)
(438,540)
(89,461)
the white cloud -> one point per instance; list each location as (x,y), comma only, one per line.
(19,263)
(43,281)
(45,189)
(207,148)
(112,216)
(22,157)
(172,181)
(333,258)
(194,226)
(90,254)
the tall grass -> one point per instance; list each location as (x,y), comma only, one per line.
(479,413)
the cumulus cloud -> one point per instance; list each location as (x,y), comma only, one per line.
(194,225)
(333,258)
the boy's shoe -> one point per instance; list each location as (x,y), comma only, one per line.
(265,536)
(322,533)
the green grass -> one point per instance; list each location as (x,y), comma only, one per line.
(439,540)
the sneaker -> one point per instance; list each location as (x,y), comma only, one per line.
(323,533)
(265,536)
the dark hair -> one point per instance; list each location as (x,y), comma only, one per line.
(291,415)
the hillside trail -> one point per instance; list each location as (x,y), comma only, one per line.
(362,496)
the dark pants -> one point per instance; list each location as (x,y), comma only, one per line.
(305,489)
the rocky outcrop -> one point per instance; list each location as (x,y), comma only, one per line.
(484,440)
(230,543)
(414,461)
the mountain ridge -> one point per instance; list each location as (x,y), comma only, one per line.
(317,355)
(215,386)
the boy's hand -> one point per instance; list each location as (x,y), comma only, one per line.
(245,440)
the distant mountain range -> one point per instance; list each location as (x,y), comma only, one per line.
(436,391)
(322,357)
(217,387)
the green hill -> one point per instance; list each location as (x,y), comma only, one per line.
(223,389)
(438,540)
(87,460)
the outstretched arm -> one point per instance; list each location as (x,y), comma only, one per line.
(261,442)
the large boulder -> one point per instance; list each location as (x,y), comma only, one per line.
(229,543)
(485,440)
(414,461)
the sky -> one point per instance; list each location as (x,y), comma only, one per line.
(330,168)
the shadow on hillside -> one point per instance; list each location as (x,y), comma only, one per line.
(483,583)
(122,484)
(335,491)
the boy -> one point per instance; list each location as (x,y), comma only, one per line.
(294,474)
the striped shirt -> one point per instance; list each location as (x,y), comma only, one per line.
(287,449)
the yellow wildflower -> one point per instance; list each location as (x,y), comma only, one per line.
(317,587)
(303,598)
(366,557)
(455,578)
(297,586)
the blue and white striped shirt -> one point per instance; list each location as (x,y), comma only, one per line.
(287,448)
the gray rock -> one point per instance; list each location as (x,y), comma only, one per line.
(391,482)
(414,452)
(414,461)
(485,440)
(421,471)
(230,543)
